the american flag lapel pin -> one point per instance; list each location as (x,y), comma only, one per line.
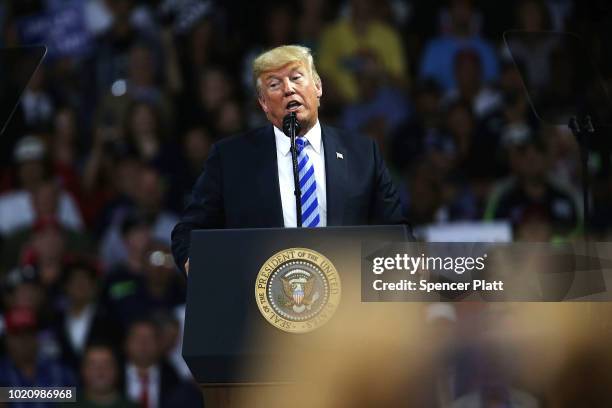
(339,156)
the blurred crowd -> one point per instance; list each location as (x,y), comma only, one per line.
(113,128)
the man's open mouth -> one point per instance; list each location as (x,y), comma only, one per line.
(293,106)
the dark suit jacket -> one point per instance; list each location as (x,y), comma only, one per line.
(173,391)
(239,186)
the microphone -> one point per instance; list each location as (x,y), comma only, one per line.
(291,127)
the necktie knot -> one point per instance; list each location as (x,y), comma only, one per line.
(301,143)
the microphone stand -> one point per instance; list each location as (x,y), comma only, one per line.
(291,127)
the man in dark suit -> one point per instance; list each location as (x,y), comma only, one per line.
(248,180)
(149,379)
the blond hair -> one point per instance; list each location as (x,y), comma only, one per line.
(279,57)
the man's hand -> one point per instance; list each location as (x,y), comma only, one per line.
(187,267)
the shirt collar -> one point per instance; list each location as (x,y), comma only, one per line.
(283,144)
(153,371)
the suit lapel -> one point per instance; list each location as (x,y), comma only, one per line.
(335,175)
(271,209)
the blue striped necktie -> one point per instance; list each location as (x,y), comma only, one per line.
(308,186)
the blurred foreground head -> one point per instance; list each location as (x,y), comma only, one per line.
(388,355)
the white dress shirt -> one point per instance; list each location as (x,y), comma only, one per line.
(134,385)
(77,327)
(17,211)
(315,152)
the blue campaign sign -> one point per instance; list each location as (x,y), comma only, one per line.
(63,31)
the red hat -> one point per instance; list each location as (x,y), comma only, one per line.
(20,319)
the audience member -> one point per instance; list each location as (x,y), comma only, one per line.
(440,52)
(347,44)
(35,192)
(82,321)
(530,190)
(23,365)
(149,379)
(100,380)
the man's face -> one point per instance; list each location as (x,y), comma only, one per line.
(290,88)
(142,347)
(99,370)
(22,347)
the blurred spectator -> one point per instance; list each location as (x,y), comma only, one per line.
(530,190)
(440,52)
(199,40)
(109,175)
(422,195)
(514,112)
(196,144)
(35,195)
(407,141)
(443,187)
(461,125)
(441,320)
(230,119)
(533,53)
(135,235)
(429,185)
(349,43)
(510,81)
(214,88)
(277,29)
(31,164)
(564,154)
(142,85)
(64,151)
(379,108)
(46,250)
(142,79)
(144,131)
(494,385)
(463,197)
(36,104)
(114,45)
(171,327)
(136,291)
(468,76)
(149,379)
(100,380)
(312,17)
(46,242)
(22,289)
(535,225)
(81,321)
(23,365)
(147,200)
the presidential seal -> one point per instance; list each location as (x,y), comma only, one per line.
(297,290)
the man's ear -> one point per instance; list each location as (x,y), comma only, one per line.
(263,104)
(319,87)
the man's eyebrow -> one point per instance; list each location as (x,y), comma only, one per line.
(271,77)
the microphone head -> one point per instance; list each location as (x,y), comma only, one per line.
(290,122)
